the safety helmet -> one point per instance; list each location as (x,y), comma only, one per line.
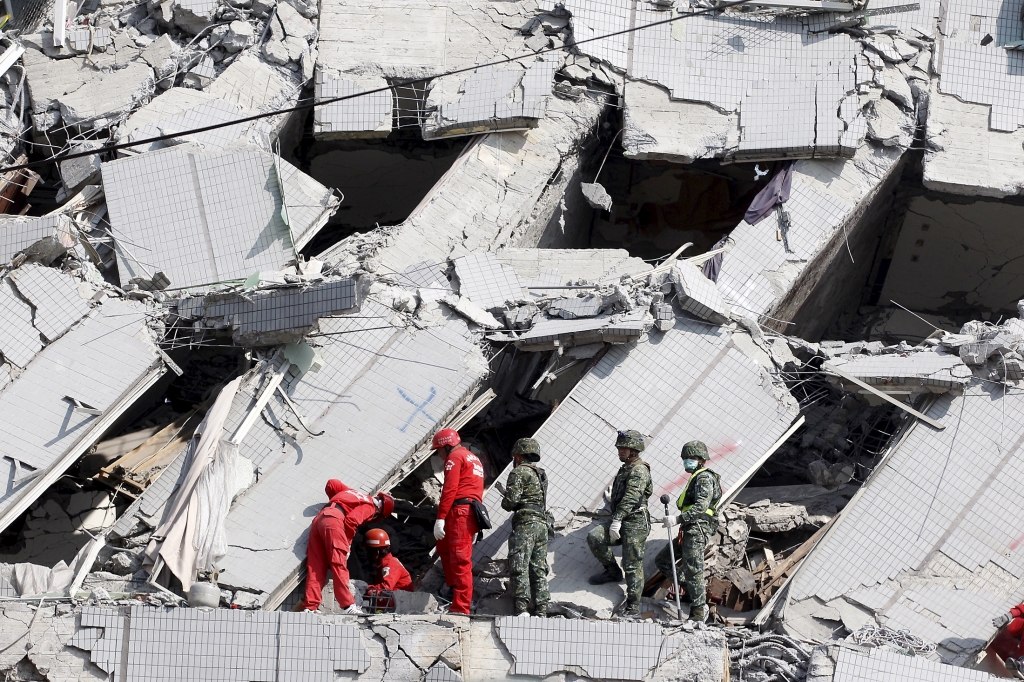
(528,448)
(445,437)
(695,449)
(377,538)
(630,439)
(387,504)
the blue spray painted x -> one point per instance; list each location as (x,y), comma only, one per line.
(419,408)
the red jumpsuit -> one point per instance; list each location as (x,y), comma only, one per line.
(1008,643)
(391,575)
(330,539)
(463,478)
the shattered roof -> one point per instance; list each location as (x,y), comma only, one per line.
(931,543)
(208,217)
(70,391)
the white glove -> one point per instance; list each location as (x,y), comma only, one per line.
(1000,621)
(671,520)
(613,530)
(439,529)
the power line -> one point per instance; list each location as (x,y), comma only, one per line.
(388,88)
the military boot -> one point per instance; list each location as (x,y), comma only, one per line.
(521,608)
(699,614)
(541,611)
(630,611)
(610,574)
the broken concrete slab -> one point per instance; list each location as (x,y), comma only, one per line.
(72,91)
(366,116)
(490,99)
(212,192)
(269,316)
(69,393)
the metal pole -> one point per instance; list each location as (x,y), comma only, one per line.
(672,554)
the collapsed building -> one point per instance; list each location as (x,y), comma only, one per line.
(319,232)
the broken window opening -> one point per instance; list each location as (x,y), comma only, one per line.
(939,261)
(657,206)
(382,179)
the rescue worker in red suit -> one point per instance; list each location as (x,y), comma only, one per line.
(330,541)
(390,574)
(1008,644)
(456,523)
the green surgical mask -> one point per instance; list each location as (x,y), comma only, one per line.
(691,465)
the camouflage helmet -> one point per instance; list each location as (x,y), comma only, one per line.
(633,440)
(528,448)
(695,449)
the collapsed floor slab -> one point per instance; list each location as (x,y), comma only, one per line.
(96,363)
(681,371)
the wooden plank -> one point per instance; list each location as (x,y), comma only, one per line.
(795,558)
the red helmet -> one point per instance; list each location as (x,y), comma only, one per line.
(445,437)
(377,538)
(387,504)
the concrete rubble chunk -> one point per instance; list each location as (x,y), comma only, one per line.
(596,195)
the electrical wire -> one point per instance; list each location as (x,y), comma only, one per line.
(387,88)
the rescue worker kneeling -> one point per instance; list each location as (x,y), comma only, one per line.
(389,573)
(330,541)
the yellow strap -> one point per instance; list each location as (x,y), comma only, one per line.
(710,511)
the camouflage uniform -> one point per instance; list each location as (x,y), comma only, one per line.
(702,494)
(525,496)
(630,491)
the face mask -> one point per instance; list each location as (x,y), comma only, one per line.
(691,465)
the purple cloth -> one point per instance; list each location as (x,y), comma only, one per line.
(775,192)
(713,267)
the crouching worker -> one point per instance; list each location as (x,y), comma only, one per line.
(389,573)
(1009,642)
(330,541)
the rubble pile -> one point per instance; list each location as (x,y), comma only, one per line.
(186,353)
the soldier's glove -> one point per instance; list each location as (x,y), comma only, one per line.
(613,530)
(672,520)
(1000,621)
(439,529)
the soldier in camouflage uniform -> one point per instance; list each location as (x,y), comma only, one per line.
(698,520)
(526,496)
(630,523)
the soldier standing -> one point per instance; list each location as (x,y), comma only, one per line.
(698,520)
(526,496)
(630,523)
